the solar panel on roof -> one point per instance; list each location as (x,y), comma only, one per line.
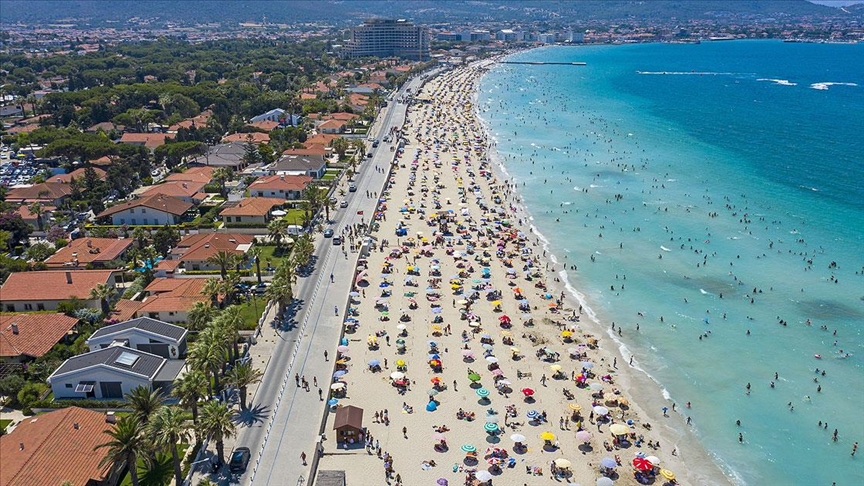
(126,358)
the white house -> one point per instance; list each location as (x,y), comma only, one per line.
(144,334)
(156,210)
(276,115)
(112,372)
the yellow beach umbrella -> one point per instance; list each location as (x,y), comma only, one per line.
(566,334)
(556,368)
(667,474)
(496,302)
(400,362)
(547,436)
(619,429)
(514,349)
(574,406)
(562,463)
(506,333)
(436,327)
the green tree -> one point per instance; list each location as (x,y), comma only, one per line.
(251,155)
(229,322)
(216,423)
(40,251)
(165,238)
(30,393)
(189,388)
(200,315)
(140,235)
(222,175)
(255,254)
(212,288)
(281,289)
(224,260)
(277,230)
(167,427)
(208,354)
(37,210)
(241,377)
(303,249)
(144,401)
(126,445)
(105,293)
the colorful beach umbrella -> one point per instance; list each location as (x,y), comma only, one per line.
(490,427)
(619,429)
(547,436)
(667,474)
(482,392)
(527,392)
(474,377)
(468,448)
(583,436)
(608,463)
(642,464)
(517,438)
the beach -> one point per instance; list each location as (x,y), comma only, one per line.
(463,315)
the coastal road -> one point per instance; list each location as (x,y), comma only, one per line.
(285,420)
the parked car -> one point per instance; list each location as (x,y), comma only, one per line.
(239,460)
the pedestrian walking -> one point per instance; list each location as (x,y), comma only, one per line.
(325,355)
(303,458)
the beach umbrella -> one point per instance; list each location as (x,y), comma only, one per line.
(653,460)
(562,463)
(436,310)
(517,438)
(374,362)
(514,349)
(397,375)
(608,462)
(527,392)
(434,356)
(432,392)
(400,362)
(604,481)
(555,368)
(342,349)
(488,347)
(587,365)
(667,474)
(619,429)
(442,482)
(596,386)
(339,374)
(473,377)
(401,327)
(532,414)
(476,324)
(431,407)
(400,342)
(642,464)
(483,475)
(332,402)
(435,379)
(433,344)
(497,371)
(490,427)
(482,392)
(583,436)
(354,294)
(547,436)
(337,386)
(468,448)
(574,406)
(600,410)
(491,359)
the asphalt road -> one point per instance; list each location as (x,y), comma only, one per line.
(284,420)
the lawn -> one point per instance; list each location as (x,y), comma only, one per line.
(161,474)
(295,216)
(273,254)
(250,312)
(4,423)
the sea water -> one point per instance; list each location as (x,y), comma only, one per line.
(713,196)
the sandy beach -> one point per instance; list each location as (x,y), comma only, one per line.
(461,316)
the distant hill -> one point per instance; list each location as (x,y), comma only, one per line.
(347,12)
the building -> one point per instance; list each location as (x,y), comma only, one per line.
(195,174)
(314,166)
(24,337)
(77,174)
(194,250)
(52,193)
(332,126)
(58,446)
(274,115)
(110,373)
(250,211)
(389,38)
(280,186)
(149,140)
(156,210)
(223,155)
(89,252)
(144,334)
(38,291)
(170,299)
(348,425)
(255,137)
(187,191)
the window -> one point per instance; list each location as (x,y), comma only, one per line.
(145,220)
(40,307)
(133,221)
(122,220)
(170,313)
(28,306)
(154,315)
(10,307)
(238,219)
(68,385)
(228,219)
(143,210)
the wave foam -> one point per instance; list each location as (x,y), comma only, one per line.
(781,82)
(824,86)
(686,73)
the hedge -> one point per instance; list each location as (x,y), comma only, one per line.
(83,403)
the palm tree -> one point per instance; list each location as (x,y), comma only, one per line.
(189,388)
(241,376)
(281,289)
(144,401)
(104,293)
(216,422)
(328,205)
(37,210)
(167,427)
(208,354)
(126,444)
(255,254)
(222,175)
(314,198)
(200,315)
(212,288)
(229,288)
(304,248)
(277,229)
(224,260)
(229,322)
(140,236)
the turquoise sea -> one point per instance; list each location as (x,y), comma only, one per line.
(713,196)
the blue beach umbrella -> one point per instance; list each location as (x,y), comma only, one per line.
(608,462)
(431,407)
(532,414)
(374,362)
(332,402)
(482,392)
(468,448)
(339,374)
(490,427)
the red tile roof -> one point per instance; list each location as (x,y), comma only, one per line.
(175,188)
(125,309)
(280,182)
(320,139)
(204,245)
(168,204)
(88,250)
(149,140)
(54,450)
(195,174)
(37,333)
(52,285)
(185,287)
(311,149)
(264,125)
(172,294)
(77,174)
(52,190)
(253,206)
(257,137)
(332,124)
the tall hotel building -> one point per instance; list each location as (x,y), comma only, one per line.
(389,38)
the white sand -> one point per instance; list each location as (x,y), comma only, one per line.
(450,120)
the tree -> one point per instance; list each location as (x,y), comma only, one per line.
(241,376)
(328,205)
(216,423)
(37,210)
(14,224)
(277,229)
(251,155)
(200,315)
(222,175)
(212,288)
(313,200)
(223,259)
(105,293)
(144,401)
(126,444)
(281,289)
(229,322)
(208,354)
(140,236)
(40,251)
(165,238)
(303,249)
(255,254)
(30,393)
(167,427)
(189,388)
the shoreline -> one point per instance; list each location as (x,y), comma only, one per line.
(639,383)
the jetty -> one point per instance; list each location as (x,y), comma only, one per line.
(546,63)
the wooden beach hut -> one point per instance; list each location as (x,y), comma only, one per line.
(349,425)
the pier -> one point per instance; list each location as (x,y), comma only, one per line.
(545,63)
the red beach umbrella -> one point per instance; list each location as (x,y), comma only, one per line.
(642,464)
(527,392)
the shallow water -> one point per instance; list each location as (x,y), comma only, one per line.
(734,176)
